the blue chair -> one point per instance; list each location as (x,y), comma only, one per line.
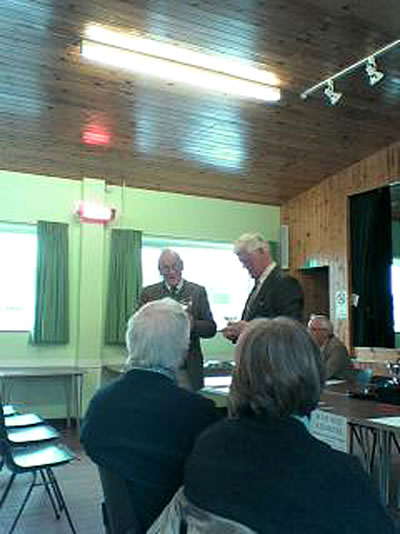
(29,450)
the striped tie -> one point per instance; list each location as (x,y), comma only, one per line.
(174,292)
(250,300)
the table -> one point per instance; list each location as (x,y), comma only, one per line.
(374,426)
(73,385)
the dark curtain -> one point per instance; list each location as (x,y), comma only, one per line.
(371,258)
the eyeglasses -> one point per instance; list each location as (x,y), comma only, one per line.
(176,268)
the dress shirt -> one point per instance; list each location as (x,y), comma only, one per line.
(174,290)
(263,276)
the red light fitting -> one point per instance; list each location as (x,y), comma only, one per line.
(96,135)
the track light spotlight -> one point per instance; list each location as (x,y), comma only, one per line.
(369,62)
(331,94)
(373,73)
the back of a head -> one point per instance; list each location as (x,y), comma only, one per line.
(249,243)
(158,335)
(279,370)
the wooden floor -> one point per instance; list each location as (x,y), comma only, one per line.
(82,491)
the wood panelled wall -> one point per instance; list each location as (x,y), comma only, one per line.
(318,224)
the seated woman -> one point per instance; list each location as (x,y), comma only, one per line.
(261,467)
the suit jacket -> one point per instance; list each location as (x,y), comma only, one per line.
(280,294)
(143,426)
(273,476)
(203,324)
(337,360)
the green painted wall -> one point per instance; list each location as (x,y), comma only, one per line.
(28,198)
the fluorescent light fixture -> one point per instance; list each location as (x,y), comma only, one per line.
(177,64)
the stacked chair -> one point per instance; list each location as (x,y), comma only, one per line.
(29,445)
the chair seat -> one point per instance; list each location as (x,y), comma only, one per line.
(8,409)
(39,456)
(31,434)
(26,419)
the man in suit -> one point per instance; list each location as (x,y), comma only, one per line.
(275,293)
(334,352)
(194,298)
(142,426)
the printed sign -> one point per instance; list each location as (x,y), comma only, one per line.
(330,428)
(341,305)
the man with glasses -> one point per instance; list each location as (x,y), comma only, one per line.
(337,360)
(193,298)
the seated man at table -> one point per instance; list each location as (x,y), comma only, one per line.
(142,425)
(337,360)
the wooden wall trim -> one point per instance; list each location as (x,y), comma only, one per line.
(318,226)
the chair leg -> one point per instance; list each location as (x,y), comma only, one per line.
(60,497)
(21,509)
(56,490)
(47,484)
(7,489)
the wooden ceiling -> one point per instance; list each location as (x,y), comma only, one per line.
(172,138)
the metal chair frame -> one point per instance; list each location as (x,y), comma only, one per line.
(10,455)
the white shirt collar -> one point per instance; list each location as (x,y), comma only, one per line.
(178,287)
(264,275)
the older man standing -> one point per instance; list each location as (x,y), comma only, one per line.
(142,426)
(194,298)
(274,294)
(337,359)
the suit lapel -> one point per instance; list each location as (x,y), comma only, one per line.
(252,307)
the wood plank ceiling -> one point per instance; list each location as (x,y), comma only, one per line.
(172,138)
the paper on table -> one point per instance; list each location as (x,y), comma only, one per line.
(391,421)
(217,381)
(333,382)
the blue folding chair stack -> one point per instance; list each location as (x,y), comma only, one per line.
(29,445)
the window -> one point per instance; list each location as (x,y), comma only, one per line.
(212,265)
(396,293)
(17,276)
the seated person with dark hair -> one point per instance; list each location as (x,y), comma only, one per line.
(142,425)
(261,467)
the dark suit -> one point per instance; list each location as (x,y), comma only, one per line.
(337,359)
(143,426)
(279,295)
(203,323)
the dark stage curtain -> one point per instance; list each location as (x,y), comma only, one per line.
(371,258)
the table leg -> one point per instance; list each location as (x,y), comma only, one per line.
(78,400)
(384,465)
(68,397)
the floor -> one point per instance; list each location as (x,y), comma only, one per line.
(82,491)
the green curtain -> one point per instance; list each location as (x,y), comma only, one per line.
(51,325)
(124,282)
